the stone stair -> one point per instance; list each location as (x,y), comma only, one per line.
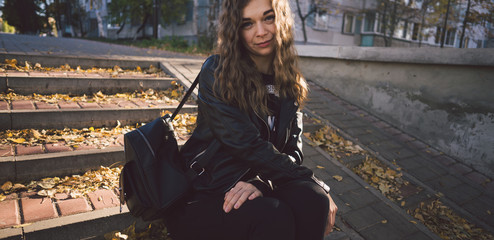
(25,215)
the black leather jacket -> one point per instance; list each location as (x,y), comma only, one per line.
(245,151)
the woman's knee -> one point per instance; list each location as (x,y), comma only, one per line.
(271,219)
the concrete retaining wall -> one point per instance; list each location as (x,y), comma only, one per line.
(444,97)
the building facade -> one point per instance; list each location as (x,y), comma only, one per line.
(330,22)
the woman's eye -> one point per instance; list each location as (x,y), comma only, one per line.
(269,18)
(246,25)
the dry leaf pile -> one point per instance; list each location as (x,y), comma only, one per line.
(74,186)
(155,230)
(97,137)
(172,95)
(101,138)
(12,64)
(438,218)
(328,139)
(387,180)
(446,223)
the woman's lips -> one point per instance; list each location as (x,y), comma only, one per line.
(264,44)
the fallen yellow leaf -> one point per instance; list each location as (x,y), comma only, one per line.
(338,178)
(17,140)
(320,167)
(7,186)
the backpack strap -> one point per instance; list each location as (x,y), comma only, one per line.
(197,167)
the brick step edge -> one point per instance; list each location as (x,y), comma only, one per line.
(82,85)
(80,118)
(88,225)
(29,167)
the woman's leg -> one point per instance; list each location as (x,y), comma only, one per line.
(261,218)
(310,206)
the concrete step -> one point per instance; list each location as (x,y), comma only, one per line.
(24,114)
(79,83)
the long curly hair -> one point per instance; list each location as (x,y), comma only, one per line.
(237,80)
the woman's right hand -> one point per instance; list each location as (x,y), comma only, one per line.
(239,194)
(331,216)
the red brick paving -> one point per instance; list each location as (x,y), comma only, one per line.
(86,105)
(109,105)
(22,105)
(103,199)
(68,105)
(57,147)
(140,103)
(4,105)
(9,213)
(45,105)
(84,147)
(36,209)
(127,104)
(28,150)
(73,206)
(6,150)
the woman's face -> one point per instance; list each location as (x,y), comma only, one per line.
(258,29)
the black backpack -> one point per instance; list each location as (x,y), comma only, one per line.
(154,178)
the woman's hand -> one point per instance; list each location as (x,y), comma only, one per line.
(239,194)
(331,216)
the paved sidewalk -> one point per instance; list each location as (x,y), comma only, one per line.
(364,212)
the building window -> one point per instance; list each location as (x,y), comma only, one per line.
(321,20)
(415,31)
(400,29)
(348,23)
(450,36)
(466,42)
(369,22)
(438,35)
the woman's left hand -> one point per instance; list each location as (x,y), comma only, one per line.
(239,194)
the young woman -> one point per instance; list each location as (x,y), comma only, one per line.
(249,95)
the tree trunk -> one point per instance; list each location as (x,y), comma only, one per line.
(121,28)
(443,33)
(302,19)
(142,27)
(385,23)
(465,21)
(392,26)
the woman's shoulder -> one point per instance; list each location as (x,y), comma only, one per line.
(211,63)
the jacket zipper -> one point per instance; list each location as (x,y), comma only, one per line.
(199,154)
(286,138)
(266,124)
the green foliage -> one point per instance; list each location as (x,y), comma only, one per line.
(121,11)
(24,15)
(171,43)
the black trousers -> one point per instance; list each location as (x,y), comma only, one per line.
(297,210)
